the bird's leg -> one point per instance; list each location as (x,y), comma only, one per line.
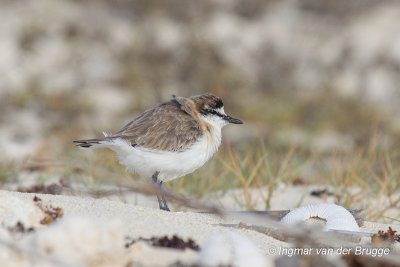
(158,184)
(164,202)
(161,200)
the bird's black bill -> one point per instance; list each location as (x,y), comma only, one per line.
(233,120)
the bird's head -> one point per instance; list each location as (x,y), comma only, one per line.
(208,107)
(211,110)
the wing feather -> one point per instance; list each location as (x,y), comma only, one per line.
(165,127)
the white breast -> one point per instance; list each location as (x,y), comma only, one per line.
(170,165)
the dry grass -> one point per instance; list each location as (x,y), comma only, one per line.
(363,179)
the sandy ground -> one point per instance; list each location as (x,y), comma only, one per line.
(93,232)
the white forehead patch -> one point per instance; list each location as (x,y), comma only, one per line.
(220,110)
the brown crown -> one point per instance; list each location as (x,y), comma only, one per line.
(213,101)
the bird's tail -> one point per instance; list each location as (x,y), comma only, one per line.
(91,142)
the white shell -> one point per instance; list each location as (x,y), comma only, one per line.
(230,249)
(337,217)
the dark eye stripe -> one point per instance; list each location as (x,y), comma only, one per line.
(211,111)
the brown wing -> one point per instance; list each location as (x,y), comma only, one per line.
(165,127)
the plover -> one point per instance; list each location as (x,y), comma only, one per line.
(169,140)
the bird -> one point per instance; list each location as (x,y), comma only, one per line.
(169,140)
